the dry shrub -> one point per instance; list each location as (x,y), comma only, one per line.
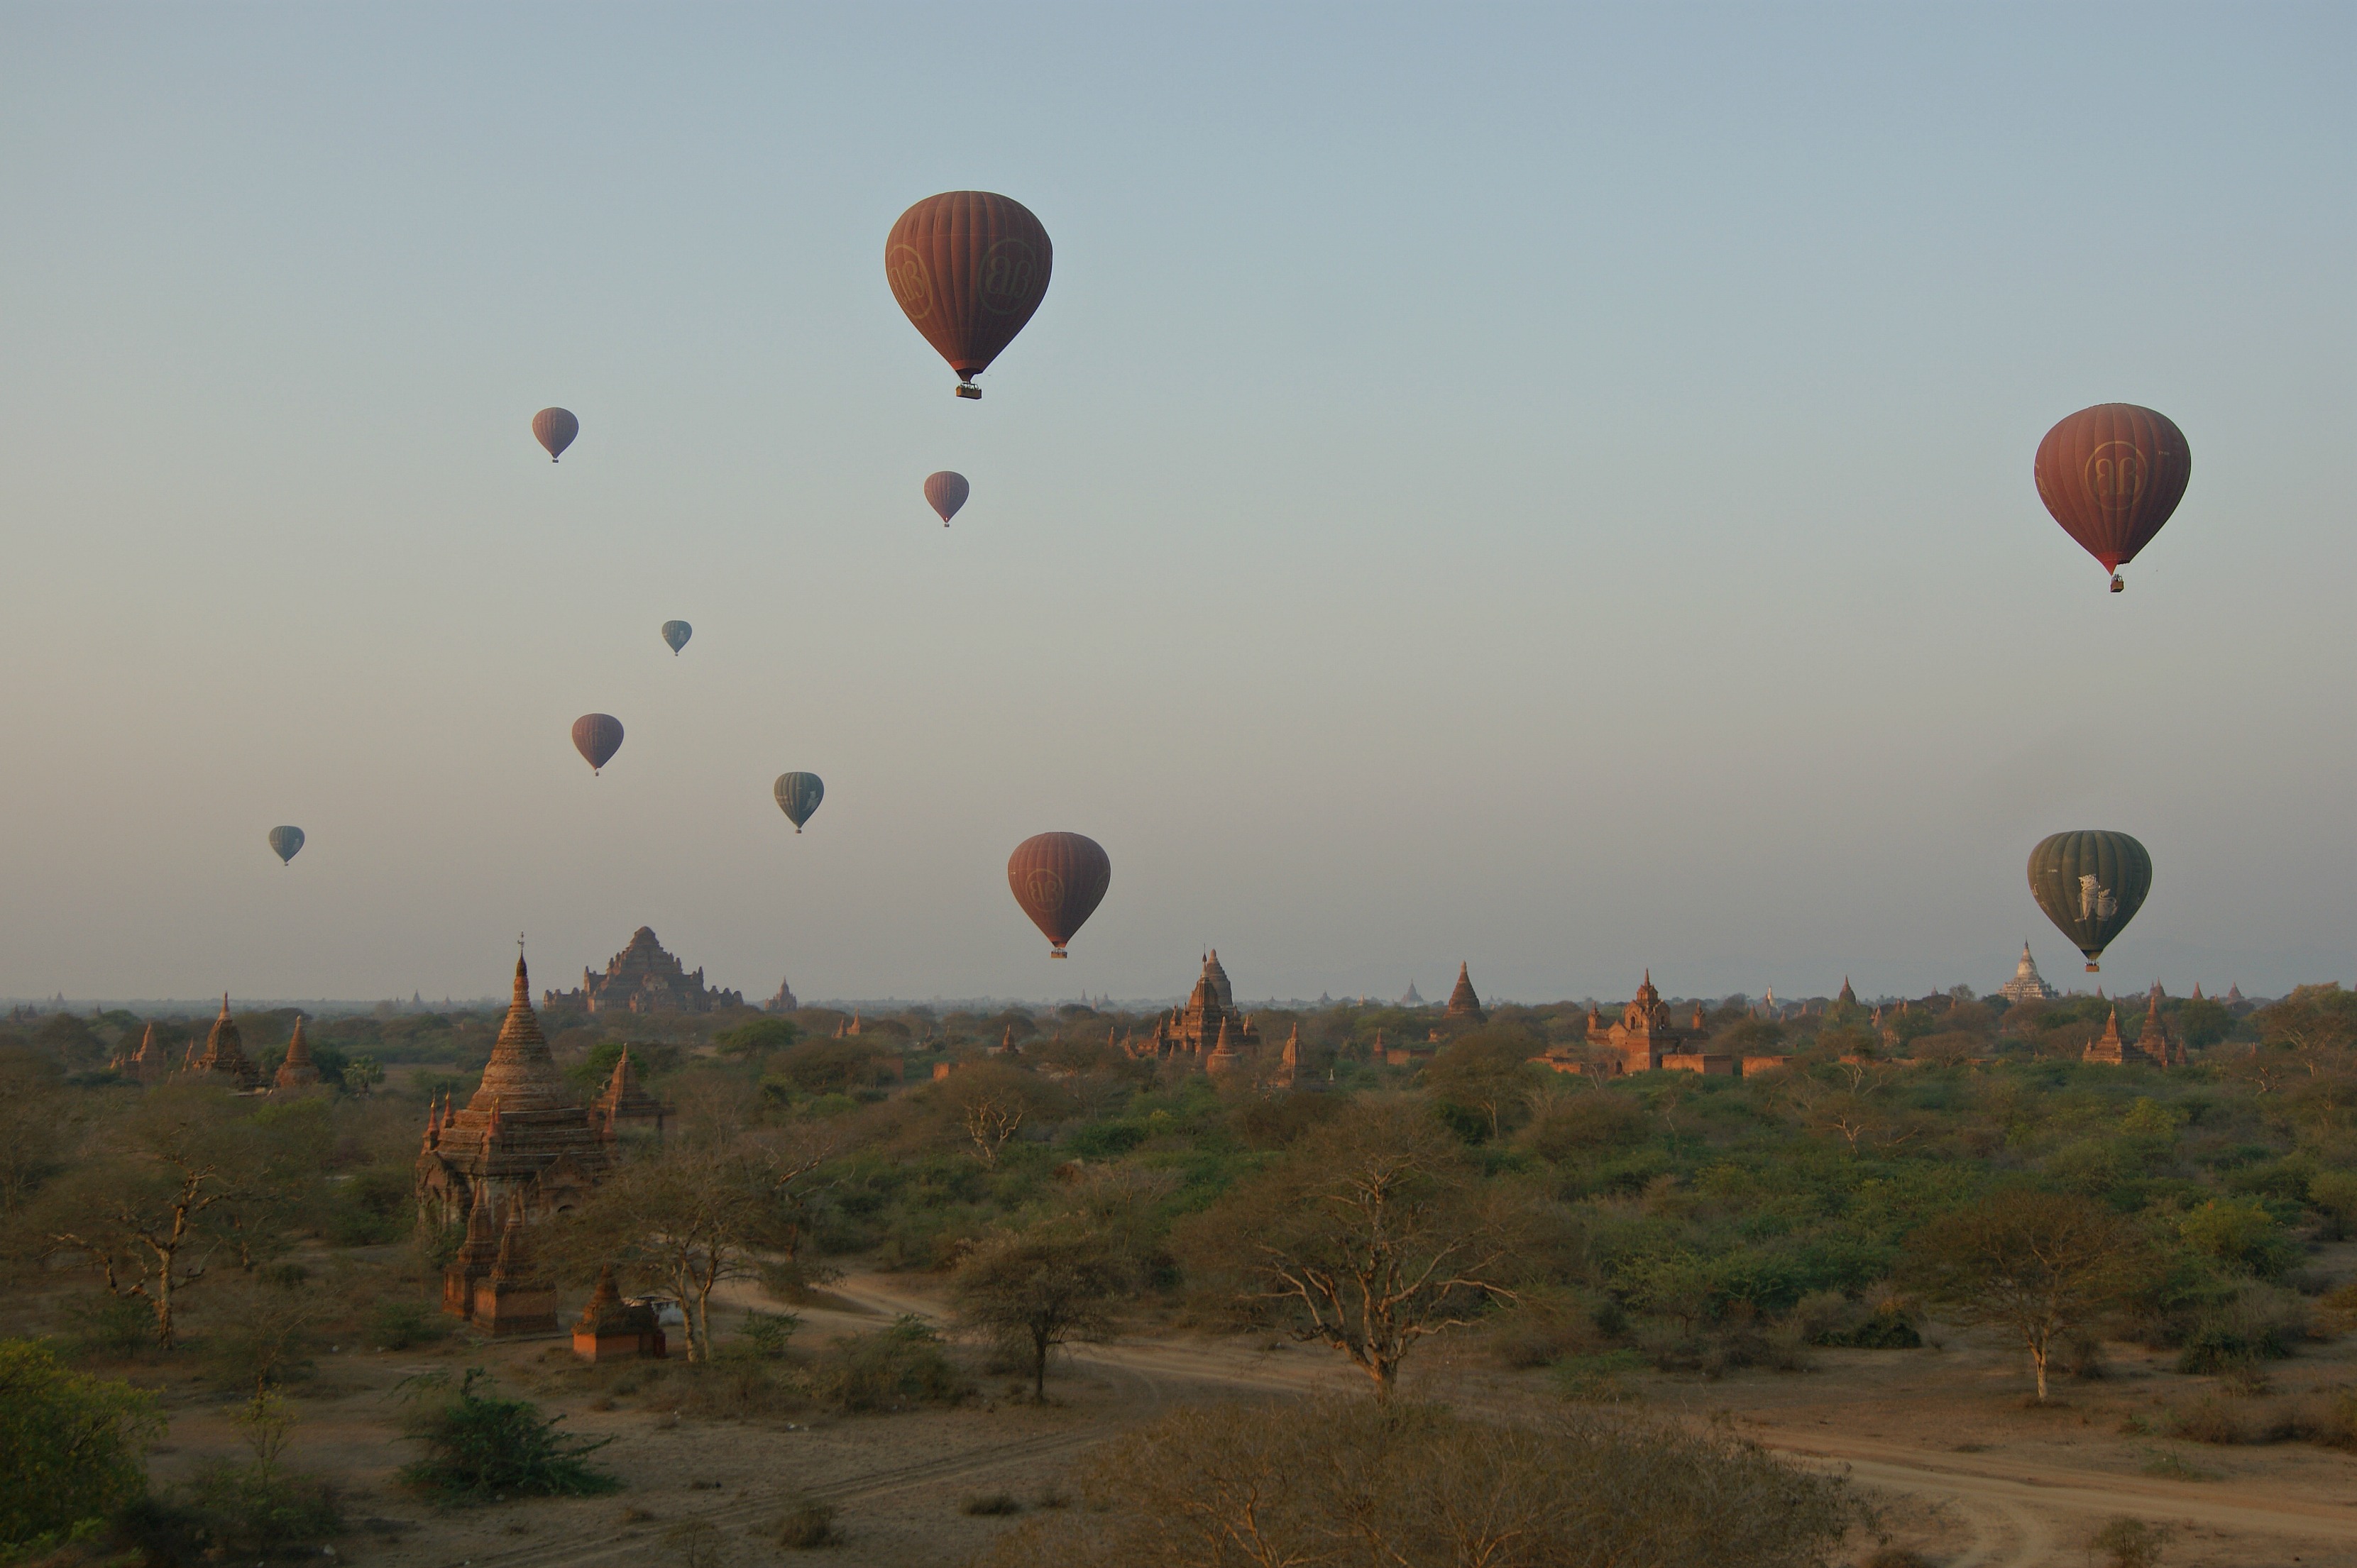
(2328,1419)
(898,1368)
(2209,1420)
(1542,1328)
(991,1504)
(1361,1484)
(807,1525)
(2130,1542)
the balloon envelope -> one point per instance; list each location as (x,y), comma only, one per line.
(676,633)
(285,842)
(1059,879)
(946,492)
(2111,474)
(2090,883)
(968,268)
(596,737)
(798,796)
(554,428)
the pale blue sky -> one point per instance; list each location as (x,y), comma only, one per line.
(1544,486)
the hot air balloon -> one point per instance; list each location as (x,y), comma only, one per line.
(1059,879)
(2111,474)
(798,796)
(676,633)
(554,428)
(969,268)
(596,737)
(2090,883)
(285,842)
(946,492)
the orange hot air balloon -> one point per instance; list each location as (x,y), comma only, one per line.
(554,428)
(1059,879)
(2111,474)
(945,492)
(969,268)
(596,737)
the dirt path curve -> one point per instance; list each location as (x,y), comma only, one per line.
(2001,1516)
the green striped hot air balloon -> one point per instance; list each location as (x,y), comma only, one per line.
(798,796)
(2090,883)
(285,842)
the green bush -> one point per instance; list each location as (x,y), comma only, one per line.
(481,1448)
(398,1324)
(891,1368)
(72,1448)
(252,1511)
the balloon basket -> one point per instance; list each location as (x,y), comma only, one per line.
(2094,969)
(2118,586)
(1056,952)
(967,389)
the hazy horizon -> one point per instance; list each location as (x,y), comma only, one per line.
(1549,489)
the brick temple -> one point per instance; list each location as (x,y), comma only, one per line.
(643,978)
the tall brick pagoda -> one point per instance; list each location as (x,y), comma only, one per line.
(1193,1033)
(1464,1007)
(224,1057)
(524,1137)
(1644,1033)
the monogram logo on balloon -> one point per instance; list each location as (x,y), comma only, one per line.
(1008,271)
(912,286)
(2115,474)
(1046,887)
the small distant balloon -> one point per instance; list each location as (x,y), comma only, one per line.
(968,267)
(555,428)
(676,633)
(798,796)
(2112,474)
(1059,879)
(596,737)
(2090,883)
(947,492)
(285,842)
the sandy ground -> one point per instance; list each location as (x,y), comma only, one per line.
(1967,1474)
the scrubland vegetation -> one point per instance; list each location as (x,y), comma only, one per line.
(1955,1163)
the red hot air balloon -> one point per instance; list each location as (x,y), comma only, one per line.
(969,268)
(596,737)
(554,428)
(2111,474)
(946,492)
(1059,879)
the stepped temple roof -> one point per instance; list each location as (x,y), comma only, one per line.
(1208,1025)
(643,978)
(2027,984)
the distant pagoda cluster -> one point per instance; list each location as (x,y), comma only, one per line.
(643,978)
(222,1060)
(2152,1047)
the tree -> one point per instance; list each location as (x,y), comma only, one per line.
(1488,1070)
(479,1447)
(72,1448)
(1045,1286)
(363,1074)
(694,1215)
(991,1100)
(2040,1264)
(142,1211)
(33,1115)
(1370,1235)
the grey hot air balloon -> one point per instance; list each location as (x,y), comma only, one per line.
(676,633)
(596,737)
(798,796)
(554,428)
(287,842)
(945,492)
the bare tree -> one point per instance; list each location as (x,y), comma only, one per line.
(2039,1263)
(139,1209)
(1370,1236)
(991,1102)
(1041,1287)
